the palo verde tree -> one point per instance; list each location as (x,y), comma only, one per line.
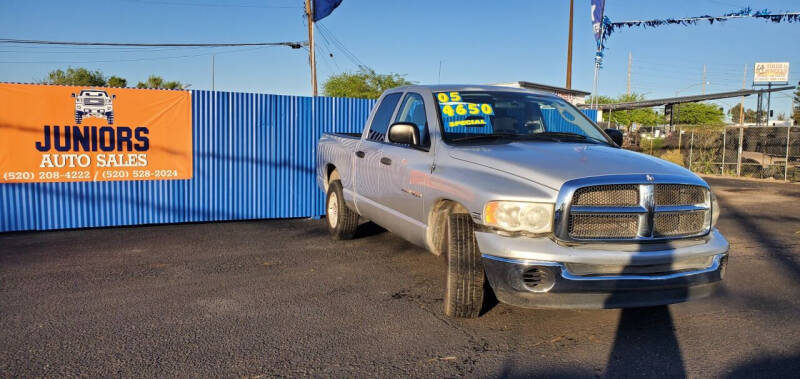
(364,84)
(750,115)
(699,114)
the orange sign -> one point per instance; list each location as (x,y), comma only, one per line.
(76,134)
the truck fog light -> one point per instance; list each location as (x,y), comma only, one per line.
(538,279)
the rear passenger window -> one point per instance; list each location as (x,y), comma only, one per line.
(380,123)
(412,111)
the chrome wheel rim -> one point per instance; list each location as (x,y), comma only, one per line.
(333,210)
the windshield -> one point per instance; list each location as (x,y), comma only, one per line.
(487,116)
(94,93)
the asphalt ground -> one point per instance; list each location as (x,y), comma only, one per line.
(280,298)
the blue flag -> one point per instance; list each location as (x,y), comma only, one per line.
(597,19)
(323,8)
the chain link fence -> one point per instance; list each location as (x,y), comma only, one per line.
(756,152)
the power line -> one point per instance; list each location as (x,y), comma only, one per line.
(349,54)
(137,59)
(293,45)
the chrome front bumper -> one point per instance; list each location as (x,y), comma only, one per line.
(509,269)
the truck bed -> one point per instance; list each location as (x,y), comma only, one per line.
(337,150)
(347,135)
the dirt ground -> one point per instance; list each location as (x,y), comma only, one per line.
(280,298)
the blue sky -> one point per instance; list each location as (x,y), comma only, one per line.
(476,41)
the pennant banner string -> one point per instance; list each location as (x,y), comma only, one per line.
(610,27)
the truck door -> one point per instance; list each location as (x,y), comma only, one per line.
(370,176)
(407,168)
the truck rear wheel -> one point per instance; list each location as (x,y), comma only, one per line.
(342,221)
(78,117)
(465,278)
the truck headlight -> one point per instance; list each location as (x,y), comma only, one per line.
(714,209)
(518,216)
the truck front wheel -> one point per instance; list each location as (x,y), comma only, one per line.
(342,221)
(465,277)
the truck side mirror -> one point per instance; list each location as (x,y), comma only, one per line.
(113,97)
(404,133)
(615,135)
(73,95)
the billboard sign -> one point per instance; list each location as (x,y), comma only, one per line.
(765,72)
(90,134)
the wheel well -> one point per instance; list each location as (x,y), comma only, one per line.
(331,174)
(437,223)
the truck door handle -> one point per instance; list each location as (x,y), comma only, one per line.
(360,154)
(386,161)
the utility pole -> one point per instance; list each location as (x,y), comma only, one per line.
(741,103)
(704,79)
(311,56)
(569,45)
(212,73)
(630,61)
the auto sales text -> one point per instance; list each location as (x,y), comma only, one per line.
(120,146)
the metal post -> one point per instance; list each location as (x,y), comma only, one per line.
(739,157)
(758,107)
(724,138)
(691,150)
(786,164)
(769,96)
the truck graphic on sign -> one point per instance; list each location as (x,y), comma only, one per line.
(94,103)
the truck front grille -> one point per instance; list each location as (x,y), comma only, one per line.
(603,226)
(635,212)
(679,194)
(93,101)
(678,223)
(608,195)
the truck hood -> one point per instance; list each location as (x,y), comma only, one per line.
(551,164)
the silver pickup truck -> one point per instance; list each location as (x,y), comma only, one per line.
(521,189)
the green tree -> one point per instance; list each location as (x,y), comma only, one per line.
(700,114)
(641,116)
(364,84)
(76,77)
(750,115)
(116,81)
(157,82)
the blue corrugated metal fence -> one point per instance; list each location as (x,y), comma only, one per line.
(254,157)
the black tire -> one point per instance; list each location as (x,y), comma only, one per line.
(78,117)
(110,118)
(465,277)
(342,221)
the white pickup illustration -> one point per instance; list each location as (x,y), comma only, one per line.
(94,103)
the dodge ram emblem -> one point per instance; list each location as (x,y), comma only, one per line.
(650,178)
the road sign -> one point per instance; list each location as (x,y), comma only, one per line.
(766,72)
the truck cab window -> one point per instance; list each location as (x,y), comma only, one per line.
(412,111)
(380,123)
